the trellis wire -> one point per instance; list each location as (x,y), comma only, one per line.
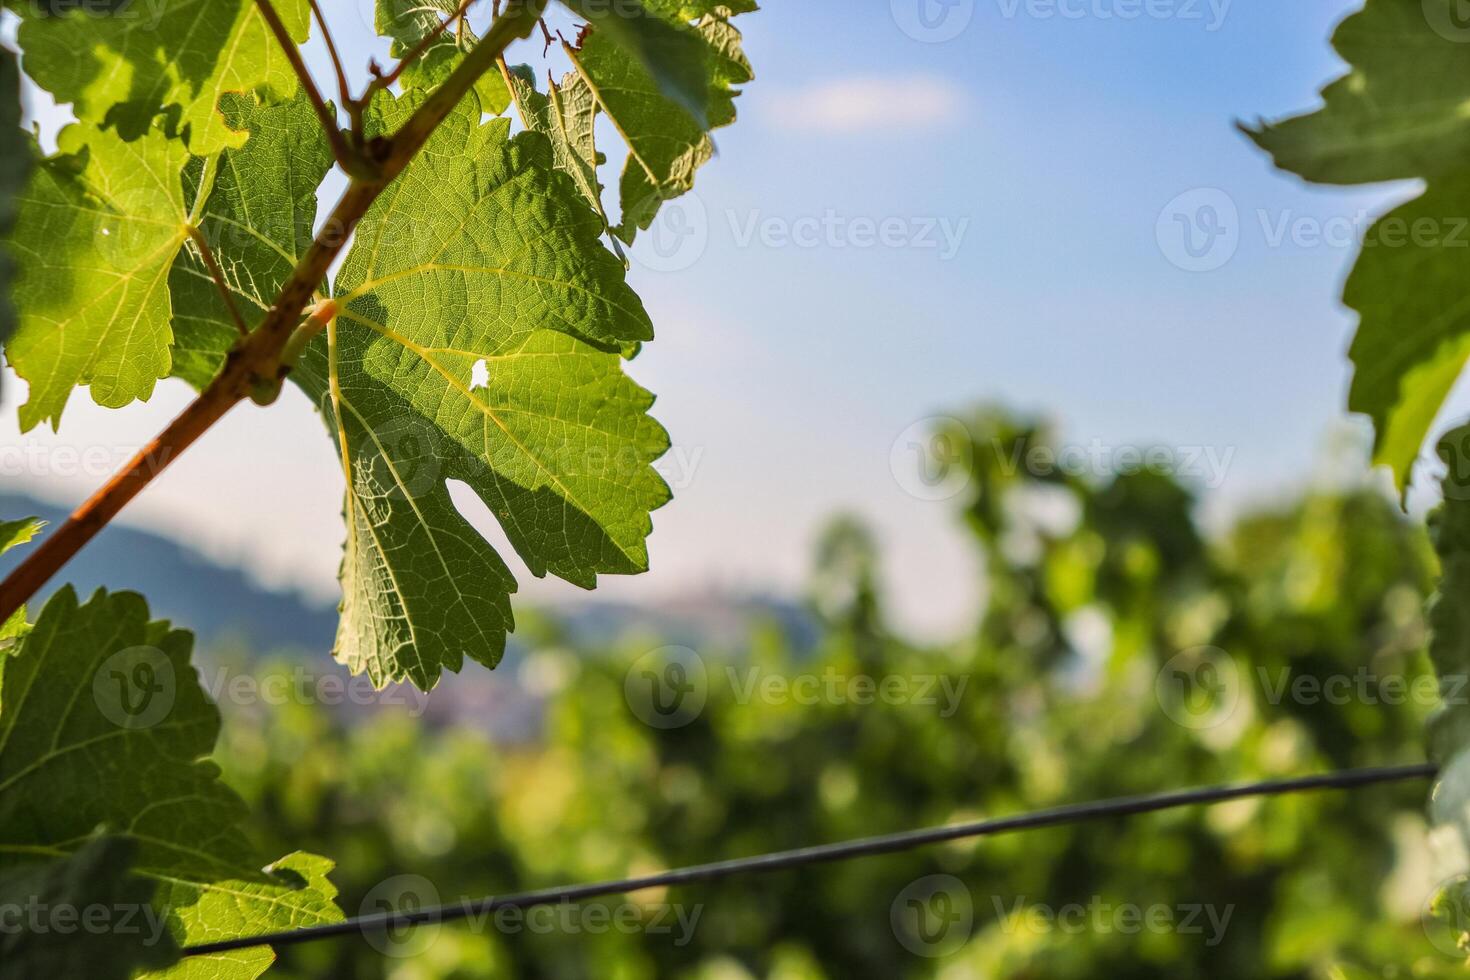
(841,851)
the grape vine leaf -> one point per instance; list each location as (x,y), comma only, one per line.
(567,116)
(665,78)
(100,223)
(103,724)
(409,22)
(256,207)
(95,881)
(1449,649)
(121,63)
(13,534)
(15,163)
(479,339)
(1397,115)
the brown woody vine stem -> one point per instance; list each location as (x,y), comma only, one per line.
(255,365)
(347,158)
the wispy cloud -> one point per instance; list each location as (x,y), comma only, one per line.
(856,103)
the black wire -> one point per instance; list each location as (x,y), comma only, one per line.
(863,847)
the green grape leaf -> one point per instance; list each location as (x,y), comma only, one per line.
(16,533)
(257,213)
(120,63)
(103,724)
(15,164)
(99,226)
(12,535)
(478,340)
(1395,115)
(409,22)
(567,116)
(664,122)
(1449,649)
(665,51)
(84,915)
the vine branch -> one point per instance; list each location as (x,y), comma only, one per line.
(254,368)
(344,154)
(419,49)
(344,91)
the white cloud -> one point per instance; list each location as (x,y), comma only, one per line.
(845,105)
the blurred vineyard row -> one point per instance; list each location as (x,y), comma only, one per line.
(1119,649)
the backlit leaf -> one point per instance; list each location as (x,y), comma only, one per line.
(1397,114)
(103,724)
(408,22)
(15,163)
(93,884)
(122,62)
(478,340)
(99,226)
(566,115)
(257,216)
(664,78)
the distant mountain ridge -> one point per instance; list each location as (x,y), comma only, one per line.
(221,603)
(182,585)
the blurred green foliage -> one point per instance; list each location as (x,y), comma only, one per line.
(1119,649)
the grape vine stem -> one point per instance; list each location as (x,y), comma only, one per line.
(255,365)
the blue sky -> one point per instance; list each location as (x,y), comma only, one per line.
(907,221)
